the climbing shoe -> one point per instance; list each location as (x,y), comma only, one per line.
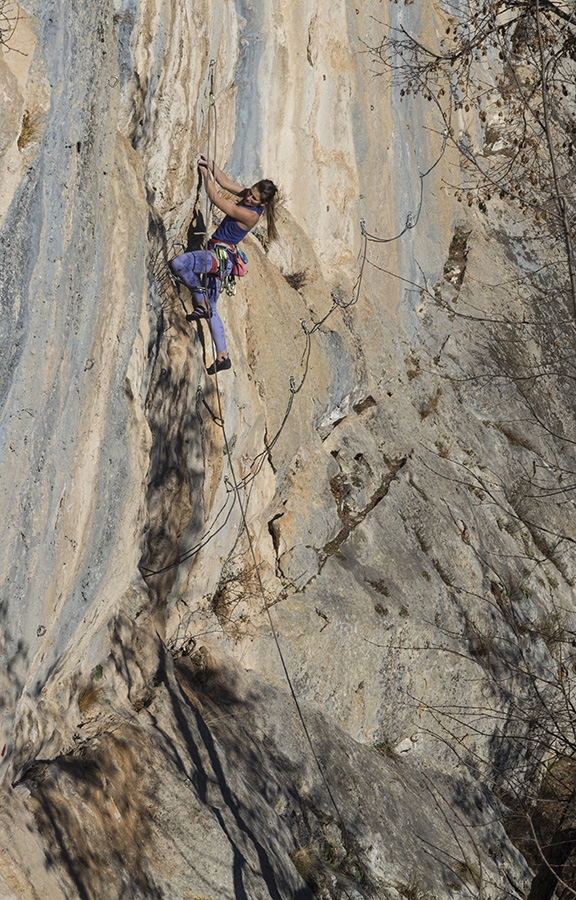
(198,313)
(219,365)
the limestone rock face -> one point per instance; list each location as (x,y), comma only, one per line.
(245,618)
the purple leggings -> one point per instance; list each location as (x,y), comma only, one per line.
(188,267)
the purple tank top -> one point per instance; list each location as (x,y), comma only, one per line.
(230,231)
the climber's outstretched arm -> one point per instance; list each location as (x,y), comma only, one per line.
(220,176)
(248,218)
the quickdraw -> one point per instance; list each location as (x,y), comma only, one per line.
(226,282)
(225,254)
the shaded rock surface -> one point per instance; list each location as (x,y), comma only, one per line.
(234,611)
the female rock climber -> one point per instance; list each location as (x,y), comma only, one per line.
(239,219)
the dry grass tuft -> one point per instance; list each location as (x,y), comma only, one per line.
(297,280)
(31,130)
(308,863)
(88,698)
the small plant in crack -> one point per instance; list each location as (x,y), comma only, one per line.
(297,280)
(455,266)
(481,642)
(309,865)
(379,586)
(386,748)
(552,630)
(31,130)
(236,591)
(326,858)
(431,405)
(413,889)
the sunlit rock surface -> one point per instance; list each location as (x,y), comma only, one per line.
(261,719)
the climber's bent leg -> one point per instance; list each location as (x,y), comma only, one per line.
(189,266)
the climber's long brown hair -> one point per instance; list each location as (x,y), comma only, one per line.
(269,197)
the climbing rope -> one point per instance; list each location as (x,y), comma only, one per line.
(411,218)
(208,535)
(411,221)
(259,460)
(236,485)
(277,642)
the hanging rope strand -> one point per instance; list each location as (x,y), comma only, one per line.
(243,509)
(411,222)
(259,460)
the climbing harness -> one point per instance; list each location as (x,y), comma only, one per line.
(226,281)
(227,254)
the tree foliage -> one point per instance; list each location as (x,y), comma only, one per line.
(503,78)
